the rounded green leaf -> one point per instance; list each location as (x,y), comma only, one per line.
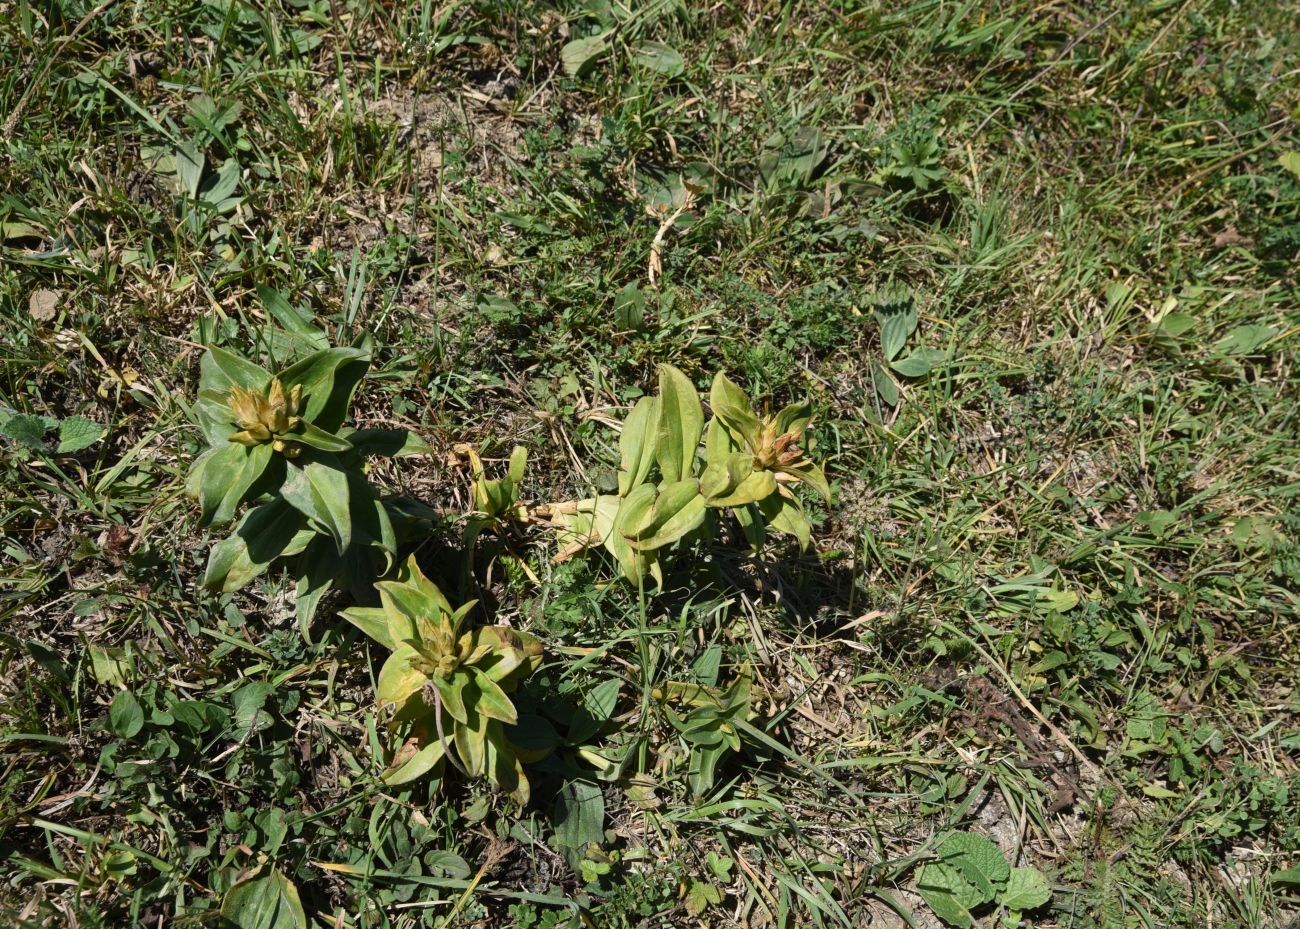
(125,717)
(1027,889)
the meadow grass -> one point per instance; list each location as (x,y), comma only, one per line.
(1034,263)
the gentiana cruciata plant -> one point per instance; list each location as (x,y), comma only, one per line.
(278,444)
(448,687)
(668,494)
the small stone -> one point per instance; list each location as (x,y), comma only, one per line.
(42,304)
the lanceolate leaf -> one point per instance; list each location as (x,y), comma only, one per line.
(219,370)
(812,475)
(311,435)
(681,422)
(794,418)
(373,621)
(732,407)
(418,765)
(391,443)
(470,738)
(264,533)
(317,569)
(677,510)
(328,381)
(227,477)
(719,442)
(492,700)
(320,492)
(290,319)
(785,515)
(637,444)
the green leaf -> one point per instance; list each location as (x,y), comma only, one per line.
(677,510)
(1289,877)
(291,320)
(459,695)
(1175,325)
(701,896)
(317,568)
(267,900)
(248,704)
(597,708)
(471,739)
(731,405)
(373,621)
(634,511)
(980,861)
(629,307)
(659,57)
(896,327)
(883,384)
(1246,340)
(321,493)
(263,534)
(941,887)
(328,379)
(188,162)
(810,474)
(390,443)
(786,516)
(28,431)
(518,464)
(418,765)
(228,476)
(125,717)
(792,157)
(579,56)
(920,362)
(219,370)
(794,418)
(398,681)
(1290,161)
(681,423)
(413,594)
(578,816)
(734,482)
(316,437)
(636,444)
(77,432)
(108,665)
(751,524)
(1027,889)
(492,700)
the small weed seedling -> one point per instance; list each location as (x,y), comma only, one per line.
(970,873)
